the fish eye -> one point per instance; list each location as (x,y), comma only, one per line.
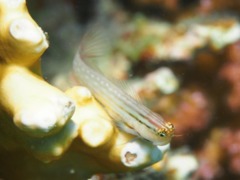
(162,134)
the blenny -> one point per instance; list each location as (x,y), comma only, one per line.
(129,114)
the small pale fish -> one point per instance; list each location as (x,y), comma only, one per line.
(129,114)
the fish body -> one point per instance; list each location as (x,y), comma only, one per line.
(134,116)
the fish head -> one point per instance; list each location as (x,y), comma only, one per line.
(165,134)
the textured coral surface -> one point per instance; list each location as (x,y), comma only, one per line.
(180,57)
(46,133)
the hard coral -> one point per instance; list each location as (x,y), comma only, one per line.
(40,119)
(17,27)
(149,39)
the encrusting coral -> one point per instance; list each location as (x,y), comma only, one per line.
(46,122)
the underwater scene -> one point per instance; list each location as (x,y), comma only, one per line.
(119,89)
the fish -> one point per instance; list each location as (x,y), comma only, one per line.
(129,114)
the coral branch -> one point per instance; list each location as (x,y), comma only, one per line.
(45,122)
(17,27)
(36,107)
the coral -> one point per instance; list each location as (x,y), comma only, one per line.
(210,157)
(175,168)
(231,146)
(183,59)
(164,80)
(209,6)
(52,125)
(230,73)
(148,39)
(31,93)
(17,26)
(222,148)
(197,49)
(189,109)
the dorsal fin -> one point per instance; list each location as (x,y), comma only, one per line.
(126,87)
(95,45)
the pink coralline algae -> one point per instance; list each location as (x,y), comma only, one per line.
(230,72)
(210,157)
(190,111)
(220,154)
(231,146)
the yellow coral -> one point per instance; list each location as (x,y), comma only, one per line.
(46,122)
(17,27)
